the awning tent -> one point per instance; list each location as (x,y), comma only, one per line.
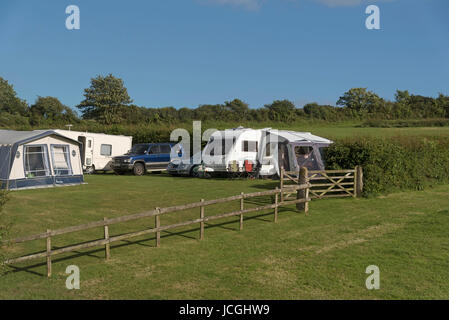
(31,159)
(288,143)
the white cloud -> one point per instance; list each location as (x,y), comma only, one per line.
(248,4)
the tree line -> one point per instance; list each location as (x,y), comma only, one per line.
(107,102)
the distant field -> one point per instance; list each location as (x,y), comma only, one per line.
(337,130)
(352,130)
(322,256)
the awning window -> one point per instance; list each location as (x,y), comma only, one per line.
(61,160)
(36,161)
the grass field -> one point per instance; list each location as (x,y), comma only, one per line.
(321,256)
(340,130)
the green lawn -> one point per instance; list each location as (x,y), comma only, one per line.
(321,256)
(340,130)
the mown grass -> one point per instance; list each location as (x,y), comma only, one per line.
(321,256)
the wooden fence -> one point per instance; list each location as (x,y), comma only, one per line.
(301,204)
(324,183)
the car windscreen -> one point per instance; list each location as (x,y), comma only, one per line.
(139,149)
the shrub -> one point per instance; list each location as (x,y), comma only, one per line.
(399,163)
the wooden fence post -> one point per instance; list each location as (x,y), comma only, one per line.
(276,203)
(48,253)
(358,181)
(157,225)
(242,203)
(107,246)
(282,184)
(303,193)
(202,221)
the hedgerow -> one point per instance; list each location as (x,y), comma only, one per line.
(399,163)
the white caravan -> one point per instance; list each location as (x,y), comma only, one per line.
(262,152)
(98,149)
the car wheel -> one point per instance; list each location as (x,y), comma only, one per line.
(90,170)
(194,171)
(139,169)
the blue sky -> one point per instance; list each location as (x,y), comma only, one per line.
(184,53)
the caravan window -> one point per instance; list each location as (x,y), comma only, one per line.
(250,146)
(219,147)
(36,161)
(270,149)
(106,150)
(61,160)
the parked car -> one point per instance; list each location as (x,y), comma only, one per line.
(183,167)
(146,157)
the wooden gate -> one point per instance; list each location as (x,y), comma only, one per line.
(326,183)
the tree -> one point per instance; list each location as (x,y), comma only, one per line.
(281,110)
(237,108)
(323,112)
(9,102)
(105,99)
(443,102)
(51,109)
(360,101)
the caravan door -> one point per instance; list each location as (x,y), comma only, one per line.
(87,151)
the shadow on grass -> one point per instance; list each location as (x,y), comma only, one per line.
(94,253)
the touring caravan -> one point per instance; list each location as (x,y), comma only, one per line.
(35,159)
(98,149)
(263,151)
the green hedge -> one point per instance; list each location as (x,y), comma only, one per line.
(401,163)
(406,123)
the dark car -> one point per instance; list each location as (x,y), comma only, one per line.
(145,157)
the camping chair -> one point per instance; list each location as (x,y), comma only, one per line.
(250,169)
(234,169)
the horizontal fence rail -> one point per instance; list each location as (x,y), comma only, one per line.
(301,203)
(326,183)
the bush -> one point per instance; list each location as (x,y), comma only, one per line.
(399,163)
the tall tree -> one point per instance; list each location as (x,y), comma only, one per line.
(443,101)
(52,110)
(281,110)
(9,102)
(360,100)
(104,99)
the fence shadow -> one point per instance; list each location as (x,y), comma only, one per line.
(98,253)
